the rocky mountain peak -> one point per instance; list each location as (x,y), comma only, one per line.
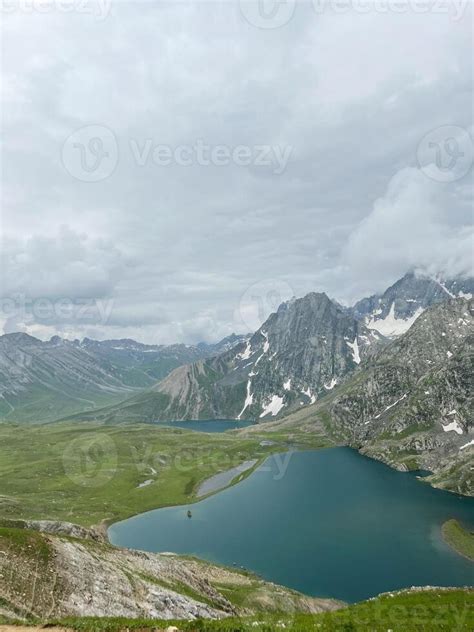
(393,312)
(19,338)
(299,353)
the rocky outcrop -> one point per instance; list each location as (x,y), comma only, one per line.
(54,576)
(64,528)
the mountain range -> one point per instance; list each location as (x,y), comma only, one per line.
(301,352)
(391,376)
(304,350)
(45,380)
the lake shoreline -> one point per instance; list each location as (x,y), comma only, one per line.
(224,479)
(276,446)
(104,526)
(250,516)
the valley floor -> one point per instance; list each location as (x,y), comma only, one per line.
(92,474)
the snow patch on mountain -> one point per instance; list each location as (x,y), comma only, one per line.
(453,426)
(248,400)
(266,347)
(355,350)
(308,393)
(246,353)
(445,288)
(390,406)
(391,325)
(273,407)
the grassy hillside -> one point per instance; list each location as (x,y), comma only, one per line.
(87,473)
(460,539)
(408,611)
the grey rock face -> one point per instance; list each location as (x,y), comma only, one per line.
(393,312)
(411,404)
(300,353)
(64,528)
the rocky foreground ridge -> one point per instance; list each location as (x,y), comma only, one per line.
(55,574)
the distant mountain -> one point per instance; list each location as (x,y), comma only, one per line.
(300,353)
(393,312)
(42,381)
(411,404)
(143,365)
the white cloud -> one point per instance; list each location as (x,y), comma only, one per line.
(176,248)
(66,265)
(414,225)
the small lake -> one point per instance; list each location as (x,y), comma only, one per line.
(332,524)
(213,425)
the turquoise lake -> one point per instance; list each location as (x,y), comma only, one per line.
(333,524)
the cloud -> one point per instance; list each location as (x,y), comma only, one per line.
(176,248)
(416,224)
(66,265)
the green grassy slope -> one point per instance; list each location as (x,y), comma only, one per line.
(87,473)
(459,538)
(409,611)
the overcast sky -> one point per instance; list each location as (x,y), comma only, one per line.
(170,173)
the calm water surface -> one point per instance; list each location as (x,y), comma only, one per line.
(336,524)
